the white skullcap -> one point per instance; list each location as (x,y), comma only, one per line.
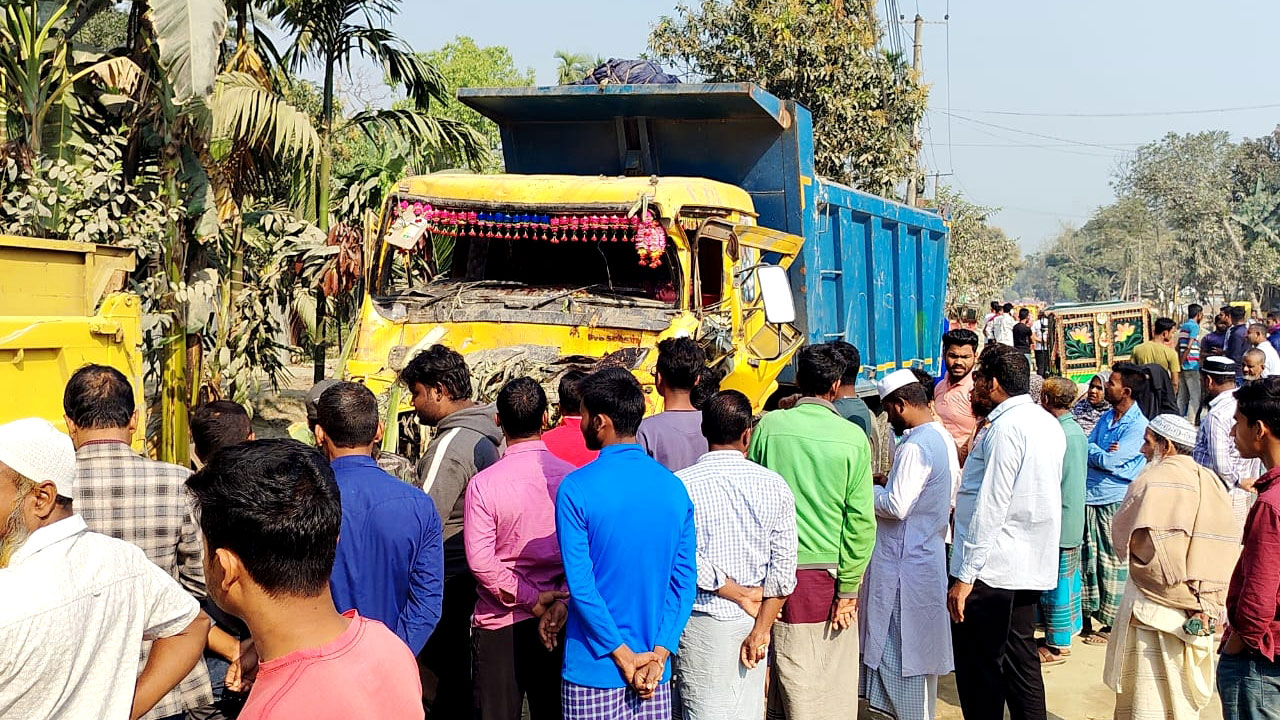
(895,380)
(1174,428)
(38,451)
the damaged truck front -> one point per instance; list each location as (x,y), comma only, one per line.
(633,213)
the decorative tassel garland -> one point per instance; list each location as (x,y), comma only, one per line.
(644,232)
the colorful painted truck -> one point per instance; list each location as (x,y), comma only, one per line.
(632,213)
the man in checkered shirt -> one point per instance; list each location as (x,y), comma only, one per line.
(126,496)
(745,519)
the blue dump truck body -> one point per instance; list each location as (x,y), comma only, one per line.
(871,271)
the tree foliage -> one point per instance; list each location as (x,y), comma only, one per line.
(465,64)
(573,66)
(983,259)
(822,53)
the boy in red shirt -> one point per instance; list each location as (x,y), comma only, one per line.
(1249,670)
(270,515)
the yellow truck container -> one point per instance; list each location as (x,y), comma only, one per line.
(62,306)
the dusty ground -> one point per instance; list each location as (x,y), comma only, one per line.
(1074,690)
(273,411)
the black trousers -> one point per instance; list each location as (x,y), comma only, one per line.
(445,663)
(511,664)
(996,658)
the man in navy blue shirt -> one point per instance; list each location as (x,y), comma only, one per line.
(625,526)
(390,561)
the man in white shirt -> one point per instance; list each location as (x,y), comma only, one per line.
(905,637)
(1002,326)
(1216,442)
(1007,525)
(1257,337)
(77,605)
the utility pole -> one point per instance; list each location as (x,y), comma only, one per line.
(912,191)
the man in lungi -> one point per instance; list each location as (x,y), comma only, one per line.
(905,633)
(1115,460)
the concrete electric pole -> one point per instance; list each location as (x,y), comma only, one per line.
(912,190)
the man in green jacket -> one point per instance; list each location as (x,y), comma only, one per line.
(1060,607)
(826,460)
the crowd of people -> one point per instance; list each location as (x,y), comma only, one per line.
(702,562)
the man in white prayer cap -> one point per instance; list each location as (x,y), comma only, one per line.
(905,630)
(77,604)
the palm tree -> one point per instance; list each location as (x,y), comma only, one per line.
(330,34)
(573,66)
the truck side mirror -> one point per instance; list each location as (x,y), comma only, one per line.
(775,289)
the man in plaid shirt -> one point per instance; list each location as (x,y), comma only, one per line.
(126,496)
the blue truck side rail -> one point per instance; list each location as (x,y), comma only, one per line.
(872,272)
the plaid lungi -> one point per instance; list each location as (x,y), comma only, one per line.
(1102,572)
(1060,607)
(886,691)
(588,703)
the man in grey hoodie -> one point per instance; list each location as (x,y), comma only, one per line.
(465,442)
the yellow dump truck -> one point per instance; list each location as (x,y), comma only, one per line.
(634,213)
(62,306)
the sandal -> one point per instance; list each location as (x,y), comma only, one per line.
(1049,657)
(1097,637)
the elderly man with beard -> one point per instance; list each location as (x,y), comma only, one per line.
(77,604)
(1007,523)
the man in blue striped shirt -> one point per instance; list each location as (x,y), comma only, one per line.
(745,516)
(625,526)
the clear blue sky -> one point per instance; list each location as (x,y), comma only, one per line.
(1085,56)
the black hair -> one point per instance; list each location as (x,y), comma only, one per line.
(680,362)
(98,396)
(818,368)
(995,305)
(569,393)
(926,381)
(275,504)
(852,359)
(1259,402)
(1132,377)
(915,394)
(521,406)
(614,392)
(1008,307)
(1007,366)
(219,424)
(1194,309)
(1237,313)
(1024,313)
(1163,325)
(725,416)
(348,412)
(439,365)
(708,385)
(960,337)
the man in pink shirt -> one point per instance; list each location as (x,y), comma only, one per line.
(270,515)
(509,529)
(565,440)
(951,395)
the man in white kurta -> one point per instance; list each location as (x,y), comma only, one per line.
(905,629)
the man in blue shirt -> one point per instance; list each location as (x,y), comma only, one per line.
(1115,459)
(1237,343)
(625,526)
(390,558)
(1189,391)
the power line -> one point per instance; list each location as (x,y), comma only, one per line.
(1082,143)
(1151,113)
(951,163)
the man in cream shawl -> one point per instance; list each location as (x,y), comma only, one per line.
(1177,530)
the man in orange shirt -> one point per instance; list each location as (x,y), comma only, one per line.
(951,396)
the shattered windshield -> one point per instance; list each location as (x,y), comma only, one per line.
(433,254)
